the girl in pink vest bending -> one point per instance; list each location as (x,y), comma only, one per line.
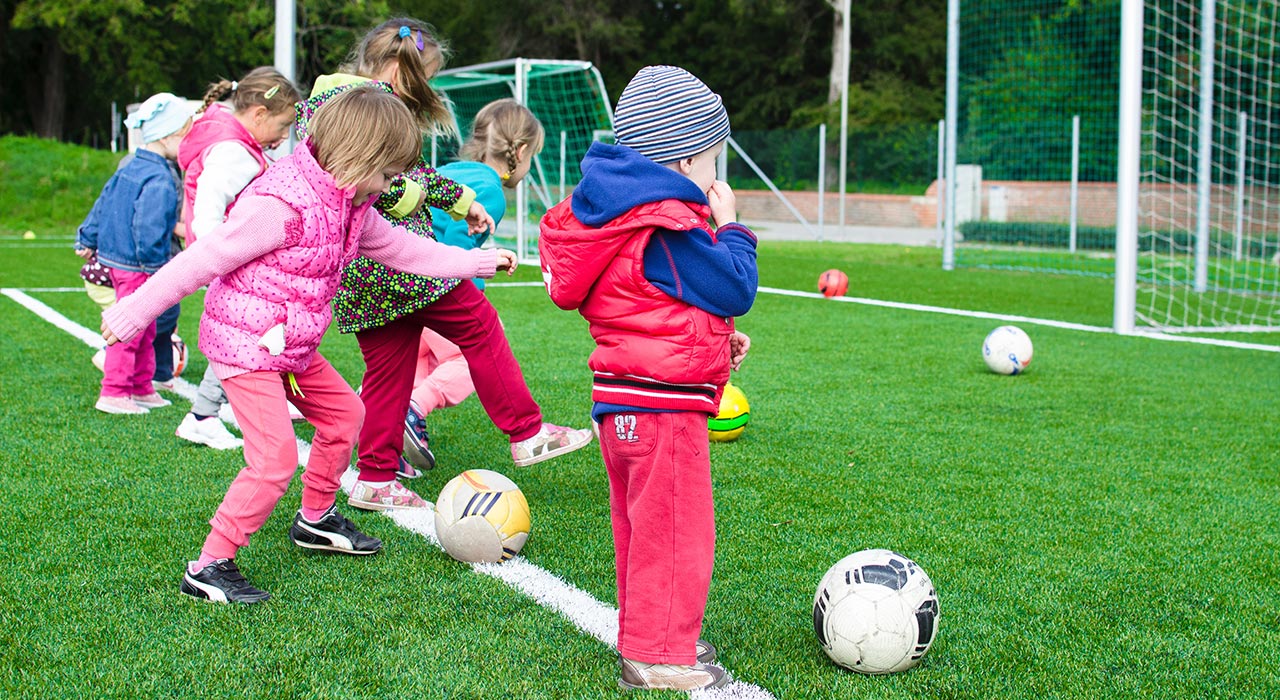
(221,155)
(273,268)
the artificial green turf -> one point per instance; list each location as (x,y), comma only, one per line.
(1102,526)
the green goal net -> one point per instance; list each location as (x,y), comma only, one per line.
(568,97)
(1038,141)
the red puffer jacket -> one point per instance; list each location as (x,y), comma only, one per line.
(652,350)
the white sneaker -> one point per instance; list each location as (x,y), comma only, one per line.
(209,431)
(152,400)
(119,405)
(551,441)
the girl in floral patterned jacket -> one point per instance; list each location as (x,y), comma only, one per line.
(387,309)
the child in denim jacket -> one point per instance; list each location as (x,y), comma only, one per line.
(130,230)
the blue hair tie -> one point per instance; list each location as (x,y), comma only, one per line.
(404,32)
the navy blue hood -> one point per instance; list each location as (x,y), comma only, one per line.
(617,179)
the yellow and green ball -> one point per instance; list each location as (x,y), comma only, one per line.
(732,418)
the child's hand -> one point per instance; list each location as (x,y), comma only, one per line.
(739,344)
(478,220)
(724,205)
(108,335)
(86,253)
(507,261)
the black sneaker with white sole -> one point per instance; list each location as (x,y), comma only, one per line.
(221,582)
(332,533)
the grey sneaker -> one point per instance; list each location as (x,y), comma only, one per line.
(417,444)
(638,675)
(706,652)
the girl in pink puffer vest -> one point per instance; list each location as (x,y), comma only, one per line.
(272,270)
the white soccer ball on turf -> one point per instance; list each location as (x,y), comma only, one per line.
(1007,350)
(179,355)
(482,516)
(876,612)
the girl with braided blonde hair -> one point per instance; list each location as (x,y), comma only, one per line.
(224,152)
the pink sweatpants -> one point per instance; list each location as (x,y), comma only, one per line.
(271,447)
(128,367)
(442,378)
(664,531)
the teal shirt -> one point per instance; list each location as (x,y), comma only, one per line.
(488,186)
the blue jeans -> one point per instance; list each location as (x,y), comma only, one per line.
(166,323)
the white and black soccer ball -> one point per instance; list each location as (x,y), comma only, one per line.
(875,612)
(1007,350)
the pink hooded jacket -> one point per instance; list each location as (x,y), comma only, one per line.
(216,126)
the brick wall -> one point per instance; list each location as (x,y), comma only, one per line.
(1170,206)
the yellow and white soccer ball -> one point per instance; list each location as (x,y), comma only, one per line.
(734,414)
(482,516)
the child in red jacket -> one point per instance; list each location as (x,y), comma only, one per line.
(633,252)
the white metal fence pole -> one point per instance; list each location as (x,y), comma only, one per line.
(115,127)
(822,178)
(1204,176)
(286,53)
(1241,146)
(564,159)
(522,189)
(942,171)
(1130,133)
(844,108)
(1075,180)
(952,114)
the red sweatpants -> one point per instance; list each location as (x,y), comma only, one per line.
(271,447)
(465,318)
(664,530)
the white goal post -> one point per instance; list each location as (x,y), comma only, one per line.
(1198,211)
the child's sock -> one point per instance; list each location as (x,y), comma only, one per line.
(313,515)
(199,564)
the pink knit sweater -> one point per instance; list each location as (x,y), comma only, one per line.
(256,227)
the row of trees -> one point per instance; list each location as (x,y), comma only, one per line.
(63,62)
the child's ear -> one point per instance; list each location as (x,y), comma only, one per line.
(685,165)
(522,152)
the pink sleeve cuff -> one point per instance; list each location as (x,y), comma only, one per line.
(122,324)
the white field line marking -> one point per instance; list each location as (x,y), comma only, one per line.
(908,307)
(545,588)
(1020,319)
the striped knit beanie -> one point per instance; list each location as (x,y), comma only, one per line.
(667,115)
